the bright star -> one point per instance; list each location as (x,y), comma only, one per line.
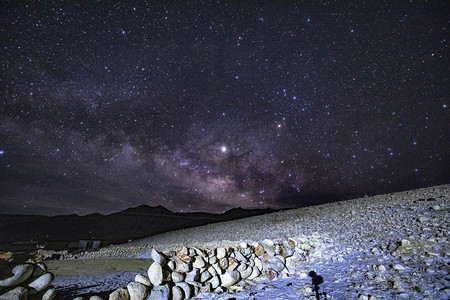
(224,149)
(2,152)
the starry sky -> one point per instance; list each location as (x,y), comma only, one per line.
(206,106)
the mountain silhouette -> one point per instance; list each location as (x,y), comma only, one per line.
(131,223)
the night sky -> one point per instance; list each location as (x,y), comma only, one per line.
(206,107)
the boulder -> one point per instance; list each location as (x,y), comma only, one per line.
(155,274)
(177,277)
(143,279)
(119,294)
(177,293)
(161,292)
(15,274)
(40,283)
(221,252)
(229,278)
(18,293)
(137,291)
(199,262)
(187,289)
(157,257)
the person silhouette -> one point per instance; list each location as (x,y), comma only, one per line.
(316,281)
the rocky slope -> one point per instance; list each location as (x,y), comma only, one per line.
(384,247)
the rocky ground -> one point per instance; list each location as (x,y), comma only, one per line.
(390,246)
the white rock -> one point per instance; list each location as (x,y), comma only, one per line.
(218,269)
(229,278)
(255,273)
(243,245)
(258,263)
(268,242)
(398,267)
(50,293)
(187,289)
(212,260)
(155,274)
(137,291)
(436,207)
(193,275)
(94,298)
(157,257)
(215,282)
(40,283)
(199,262)
(423,219)
(177,277)
(246,273)
(240,257)
(18,293)
(119,294)
(221,252)
(20,273)
(142,279)
(205,276)
(170,265)
(161,292)
(181,266)
(212,271)
(177,293)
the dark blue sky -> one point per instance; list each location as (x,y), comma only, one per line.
(205,107)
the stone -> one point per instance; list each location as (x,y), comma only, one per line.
(240,257)
(199,262)
(232,264)
(398,267)
(221,252)
(218,269)
(268,248)
(259,250)
(161,292)
(215,282)
(436,207)
(137,291)
(229,278)
(177,293)
(206,288)
(170,265)
(423,219)
(19,274)
(243,245)
(193,275)
(50,293)
(177,277)
(18,293)
(182,250)
(143,279)
(286,251)
(246,273)
(155,274)
(181,266)
(212,271)
(212,260)
(268,242)
(119,294)
(187,289)
(223,263)
(255,273)
(157,257)
(95,298)
(40,283)
(258,263)
(205,276)
(271,262)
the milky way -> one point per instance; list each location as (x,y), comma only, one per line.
(206,107)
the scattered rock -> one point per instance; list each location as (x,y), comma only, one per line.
(18,293)
(18,273)
(119,294)
(229,278)
(155,274)
(143,279)
(161,292)
(137,291)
